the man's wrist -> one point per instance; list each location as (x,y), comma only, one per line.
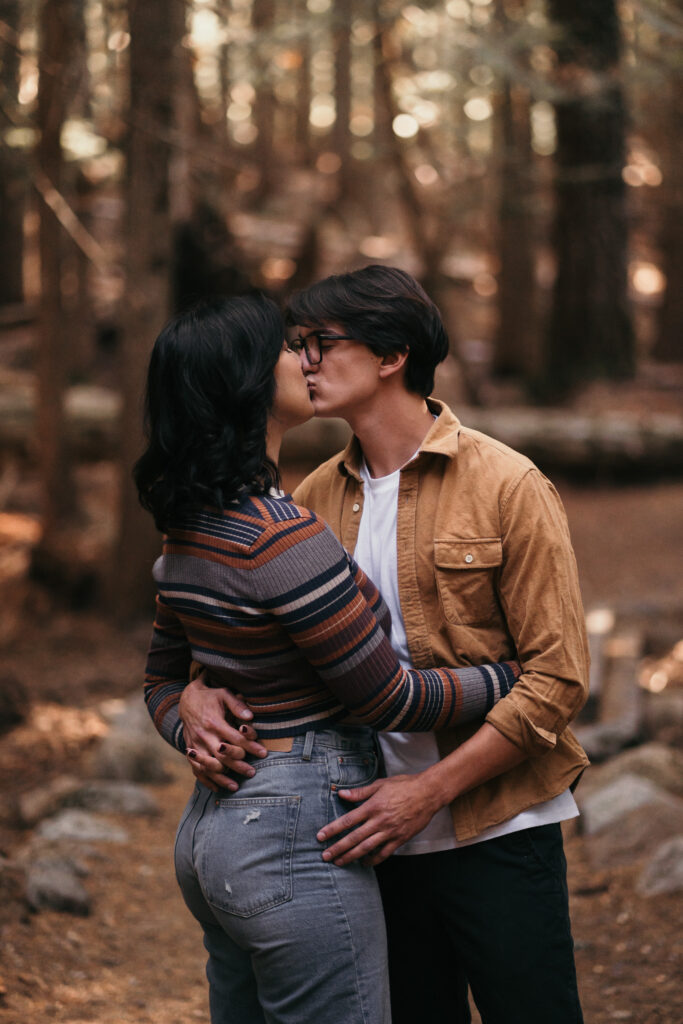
(439,786)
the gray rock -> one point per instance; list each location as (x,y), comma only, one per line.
(602,740)
(113,797)
(664,873)
(130,757)
(46,800)
(605,806)
(81,827)
(54,883)
(656,762)
(636,834)
(132,751)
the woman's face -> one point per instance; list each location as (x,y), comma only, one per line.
(292,405)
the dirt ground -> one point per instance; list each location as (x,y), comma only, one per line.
(138,958)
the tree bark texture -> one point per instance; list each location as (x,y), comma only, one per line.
(12,165)
(264,107)
(515,346)
(155,29)
(591,333)
(55,88)
(669,344)
(343,14)
(303,100)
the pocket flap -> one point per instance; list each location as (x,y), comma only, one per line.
(476,553)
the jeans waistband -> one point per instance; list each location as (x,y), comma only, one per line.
(341,737)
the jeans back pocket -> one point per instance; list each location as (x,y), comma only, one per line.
(350,771)
(246,860)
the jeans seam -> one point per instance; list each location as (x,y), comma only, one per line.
(331,869)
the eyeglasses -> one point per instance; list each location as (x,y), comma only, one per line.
(313,344)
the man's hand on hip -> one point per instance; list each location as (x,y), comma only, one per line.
(392,812)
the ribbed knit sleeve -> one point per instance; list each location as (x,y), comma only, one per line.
(167,674)
(308,583)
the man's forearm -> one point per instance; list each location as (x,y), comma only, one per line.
(480,758)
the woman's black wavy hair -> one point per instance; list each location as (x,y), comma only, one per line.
(210,386)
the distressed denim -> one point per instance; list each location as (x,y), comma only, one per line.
(291,939)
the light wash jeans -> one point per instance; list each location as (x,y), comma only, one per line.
(291,939)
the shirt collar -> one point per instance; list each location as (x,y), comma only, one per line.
(442,439)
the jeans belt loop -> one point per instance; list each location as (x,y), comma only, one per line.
(308,745)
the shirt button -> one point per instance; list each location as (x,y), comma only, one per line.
(469,558)
(356,507)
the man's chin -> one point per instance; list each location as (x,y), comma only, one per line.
(322,410)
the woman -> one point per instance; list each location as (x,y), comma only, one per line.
(262,594)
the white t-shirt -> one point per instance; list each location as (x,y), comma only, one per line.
(406,752)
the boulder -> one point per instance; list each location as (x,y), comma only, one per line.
(655,762)
(626,820)
(664,873)
(53,883)
(81,827)
(602,740)
(132,750)
(605,806)
(36,804)
(113,797)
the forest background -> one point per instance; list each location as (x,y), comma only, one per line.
(519,157)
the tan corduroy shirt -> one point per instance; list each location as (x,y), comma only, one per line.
(486,572)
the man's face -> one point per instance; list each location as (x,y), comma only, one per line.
(346,378)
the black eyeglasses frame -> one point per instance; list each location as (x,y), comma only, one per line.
(298,343)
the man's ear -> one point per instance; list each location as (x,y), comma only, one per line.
(392,363)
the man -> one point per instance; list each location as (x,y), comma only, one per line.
(469,545)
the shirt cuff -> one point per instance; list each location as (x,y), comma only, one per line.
(516,727)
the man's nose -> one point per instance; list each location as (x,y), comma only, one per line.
(306,365)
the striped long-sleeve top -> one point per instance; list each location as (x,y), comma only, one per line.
(268,600)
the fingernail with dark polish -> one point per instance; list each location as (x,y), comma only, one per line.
(222,748)
(243,729)
(191,753)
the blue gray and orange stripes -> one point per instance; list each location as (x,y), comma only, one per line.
(265,597)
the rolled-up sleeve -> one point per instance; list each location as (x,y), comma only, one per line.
(538,589)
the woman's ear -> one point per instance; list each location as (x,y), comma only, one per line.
(392,363)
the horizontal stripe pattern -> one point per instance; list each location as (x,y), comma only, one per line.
(266,598)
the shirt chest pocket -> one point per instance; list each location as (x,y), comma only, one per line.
(465,578)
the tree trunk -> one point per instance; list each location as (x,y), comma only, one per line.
(52,363)
(264,105)
(591,333)
(343,16)
(669,344)
(303,100)
(515,340)
(392,150)
(12,168)
(155,29)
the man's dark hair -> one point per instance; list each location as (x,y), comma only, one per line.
(386,309)
(210,387)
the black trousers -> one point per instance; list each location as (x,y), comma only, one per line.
(494,915)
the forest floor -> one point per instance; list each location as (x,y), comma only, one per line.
(138,958)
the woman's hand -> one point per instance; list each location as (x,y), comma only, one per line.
(214,746)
